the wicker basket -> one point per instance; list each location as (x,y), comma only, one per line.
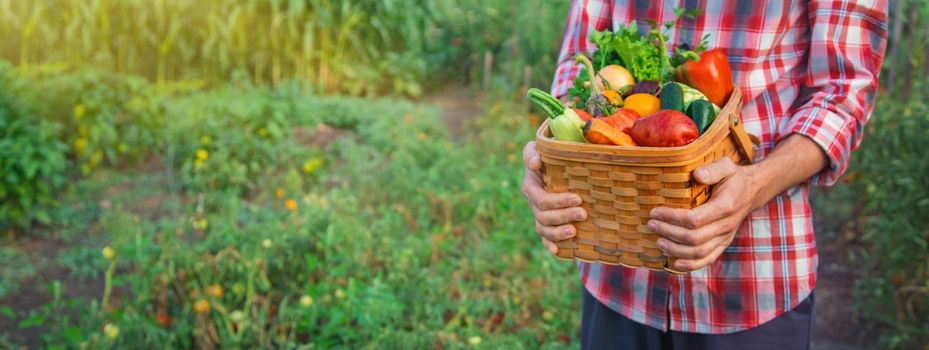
(619,185)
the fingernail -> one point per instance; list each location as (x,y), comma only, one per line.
(534,159)
(575,201)
(579,215)
(662,245)
(567,232)
(701,173)
(652,225)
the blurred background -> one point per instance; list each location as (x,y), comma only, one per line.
(345,174)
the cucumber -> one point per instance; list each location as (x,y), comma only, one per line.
(672,97)
(702,113)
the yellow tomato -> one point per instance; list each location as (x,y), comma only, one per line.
(202,306)
(644,104)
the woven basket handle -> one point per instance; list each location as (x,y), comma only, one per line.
(744,142)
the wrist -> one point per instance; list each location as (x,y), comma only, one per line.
(757,181)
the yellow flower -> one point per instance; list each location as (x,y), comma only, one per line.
(339,294)
(198,163)
(548,315)
(96,158)
(202,154)
(111,331)
(206,140)
(216,290)
(202,306)
(306,301)
(280,193)
(474,341)
(109,253)
(290,204)
(422,136)
(80,146)
(238,288)
(201,224)
(266,244)
(79,111)
(311,165)
(237,316)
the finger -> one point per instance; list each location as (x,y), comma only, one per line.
(531,157)
(721,205)
(559,217)
(696,264)
(680,217)
(551,246)
(683,251)
(683,235)
(532,184)
(715,172)
(555,233)
(544,200)
(553,201)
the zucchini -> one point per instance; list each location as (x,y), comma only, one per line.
(546,102)
(703,113)
(672,97)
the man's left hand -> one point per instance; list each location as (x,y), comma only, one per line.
(698,236)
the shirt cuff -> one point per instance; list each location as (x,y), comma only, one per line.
(831,132)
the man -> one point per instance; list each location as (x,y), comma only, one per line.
(808,71)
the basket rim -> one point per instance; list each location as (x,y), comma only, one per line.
(613,154)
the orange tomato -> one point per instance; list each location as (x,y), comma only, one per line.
(643,104)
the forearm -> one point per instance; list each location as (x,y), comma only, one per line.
(793,161)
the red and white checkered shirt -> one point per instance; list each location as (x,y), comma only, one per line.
(805,67)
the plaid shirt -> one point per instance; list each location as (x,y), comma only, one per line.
(771,265)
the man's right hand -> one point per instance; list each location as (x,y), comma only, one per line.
(554,212)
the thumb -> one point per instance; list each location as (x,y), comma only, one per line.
(715,172)
(531,157)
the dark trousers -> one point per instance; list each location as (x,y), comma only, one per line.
(603,328)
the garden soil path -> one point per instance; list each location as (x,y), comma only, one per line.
(836,327)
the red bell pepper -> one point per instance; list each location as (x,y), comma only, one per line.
(711,75)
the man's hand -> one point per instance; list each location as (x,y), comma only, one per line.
(554,212)
(698,236)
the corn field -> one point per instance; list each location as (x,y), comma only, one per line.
(359,47)
(323,41)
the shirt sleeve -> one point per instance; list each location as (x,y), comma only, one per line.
(846,51)
(585,17)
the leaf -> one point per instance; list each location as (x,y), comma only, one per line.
(43,217)
(34,320)
(7,311)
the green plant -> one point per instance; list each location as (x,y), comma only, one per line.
(15,266)
(884,199)
(32,160)
(106,118)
